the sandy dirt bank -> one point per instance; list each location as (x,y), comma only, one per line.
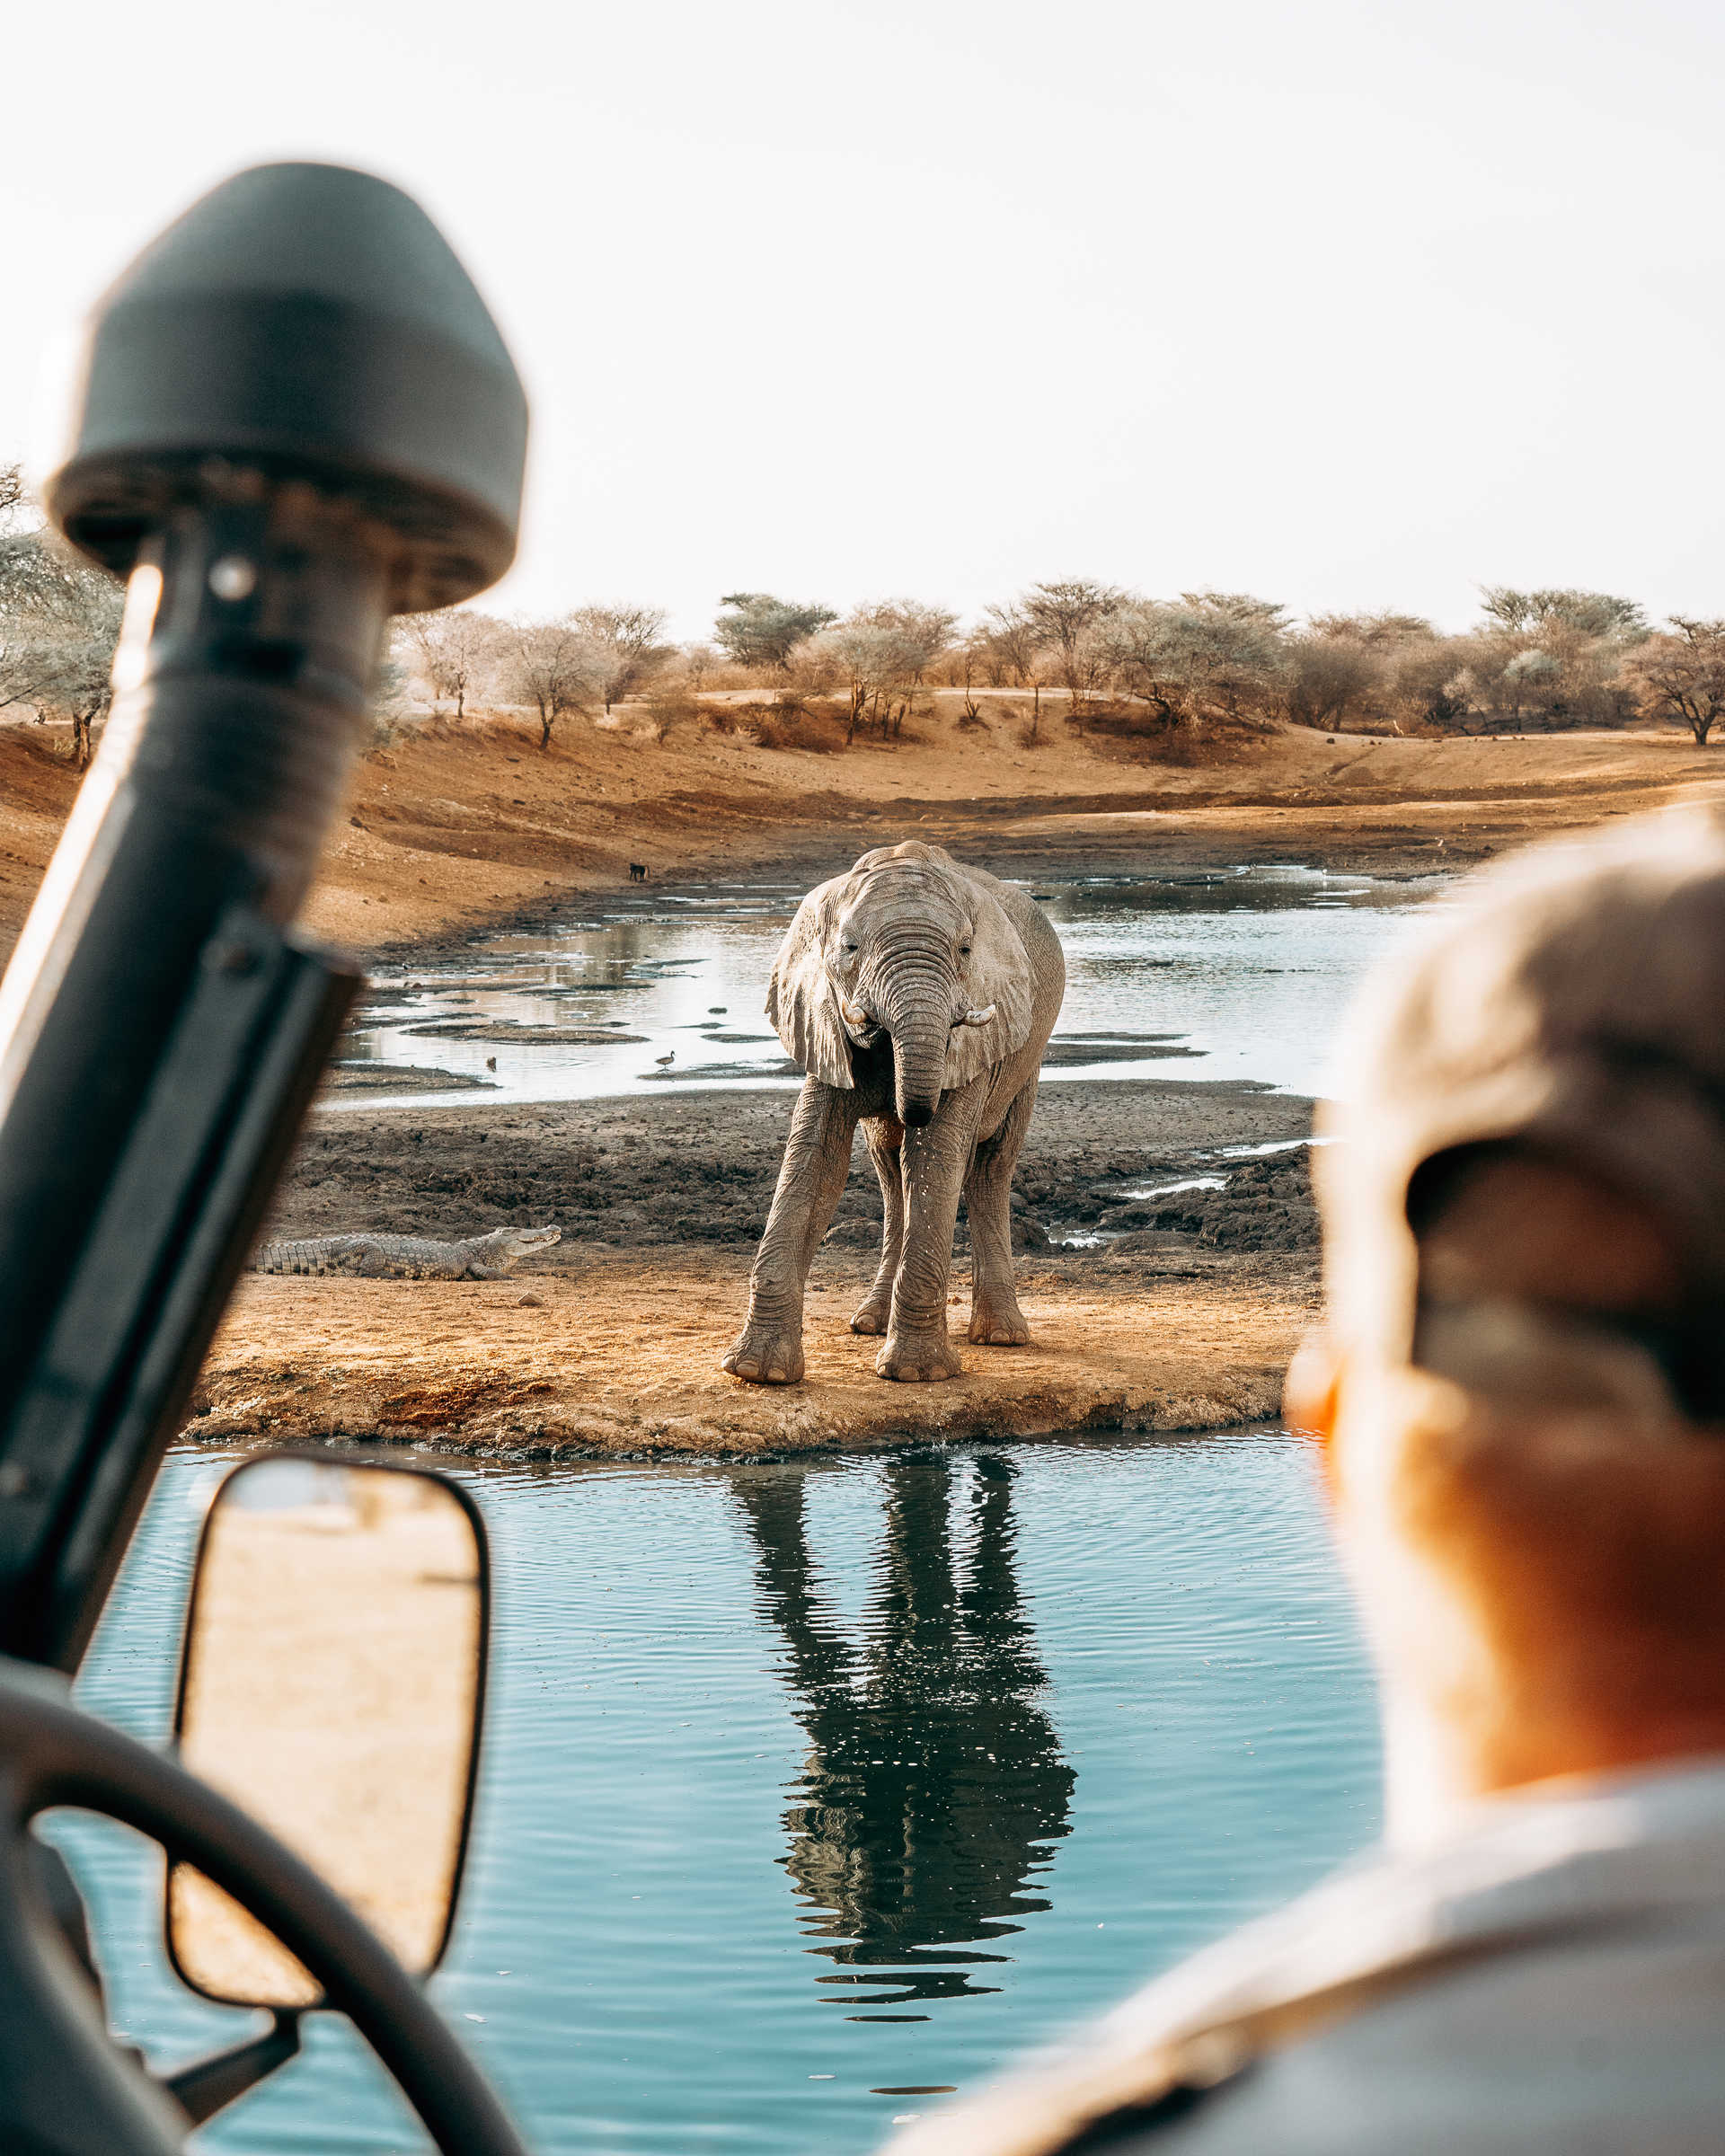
(624,1359)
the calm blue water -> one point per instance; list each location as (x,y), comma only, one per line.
(809,1785)
(1244,971)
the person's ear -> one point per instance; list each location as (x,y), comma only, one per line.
(1311,1394)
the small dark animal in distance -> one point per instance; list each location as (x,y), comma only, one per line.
(637,871)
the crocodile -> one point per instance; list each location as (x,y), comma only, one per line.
(375,1257)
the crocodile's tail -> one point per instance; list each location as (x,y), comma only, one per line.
(316,1254)
(292,1258)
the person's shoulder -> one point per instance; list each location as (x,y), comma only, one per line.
(1153,2061)
(1413,2001)
(1518,1868)
(1607,2041)
(1574,2037)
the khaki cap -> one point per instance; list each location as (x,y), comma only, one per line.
(1573,997)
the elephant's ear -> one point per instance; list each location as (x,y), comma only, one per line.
(999,973)
(800,1002)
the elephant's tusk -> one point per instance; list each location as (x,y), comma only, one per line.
(977,1018)
(852,1015)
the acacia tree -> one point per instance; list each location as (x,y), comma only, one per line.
(1343,664)
(924,632)
(551,666)
(1590,612)
(451,649)
(1681,677)
(870,657)
(59,619)
(887,650)
(758,630)
(1237,648)
(1065,616)
(1004,644)
(1556,654)
(625,646)
(1207,655)
(1326,678)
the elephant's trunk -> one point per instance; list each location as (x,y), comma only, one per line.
(919,1017)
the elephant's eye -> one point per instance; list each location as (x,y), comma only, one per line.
(850,946)
(964,951)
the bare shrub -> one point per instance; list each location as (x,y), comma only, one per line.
(59,619)
(1327,678)
(1005,646)
(784,721)
(1065,618)
(453,652)
(669,708)
(699,663)
(552,666)
(815,672)
(884,652)
(624,650)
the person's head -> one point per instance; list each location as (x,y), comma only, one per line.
(1519,1387)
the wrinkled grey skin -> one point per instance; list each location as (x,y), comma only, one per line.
(918,995)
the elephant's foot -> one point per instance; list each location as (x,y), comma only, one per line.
(918,1357)
(766,1355)
(997,1321)
(874,1313)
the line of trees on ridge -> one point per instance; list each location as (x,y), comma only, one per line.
(1205,663)
(1109,661)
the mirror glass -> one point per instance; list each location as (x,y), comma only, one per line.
(331,1685)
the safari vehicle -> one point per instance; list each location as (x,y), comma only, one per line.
(295,418)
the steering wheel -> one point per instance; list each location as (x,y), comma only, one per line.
(67,2090)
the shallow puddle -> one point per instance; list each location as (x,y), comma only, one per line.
(813,1788)
(1234,973)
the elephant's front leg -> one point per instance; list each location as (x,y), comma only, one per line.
(996,1319)
(934,1160)
(886,1137)
(812,1181)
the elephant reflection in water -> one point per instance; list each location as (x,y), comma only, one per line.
(934,1787)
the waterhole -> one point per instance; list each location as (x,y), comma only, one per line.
(1228,973)
(814,1790)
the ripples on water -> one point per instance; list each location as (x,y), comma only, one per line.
(811,1786)
(1243,971)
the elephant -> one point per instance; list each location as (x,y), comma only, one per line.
(918,996)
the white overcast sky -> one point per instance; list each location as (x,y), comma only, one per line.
(1346,305)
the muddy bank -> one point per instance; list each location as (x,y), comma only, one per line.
(656,1173)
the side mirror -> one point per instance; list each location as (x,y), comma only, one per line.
(332,1683)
